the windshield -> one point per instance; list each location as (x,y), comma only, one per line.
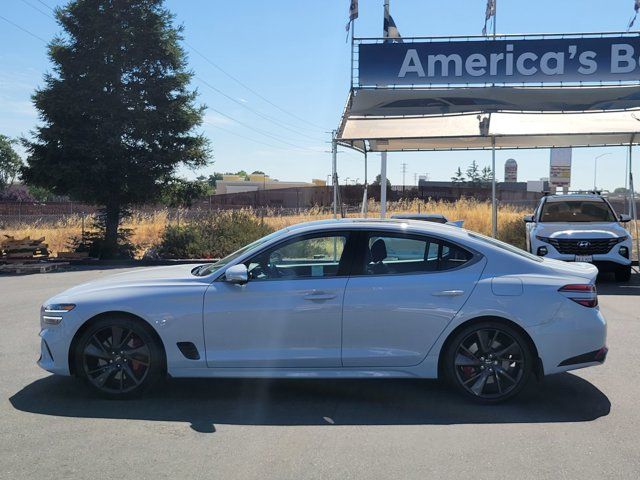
(505,246)
(577,211)
(208,269)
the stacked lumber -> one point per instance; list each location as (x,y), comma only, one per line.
(23,249)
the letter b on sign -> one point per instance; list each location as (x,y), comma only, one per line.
(622,60)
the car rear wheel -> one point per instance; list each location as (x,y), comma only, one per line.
(489,362)
(118,357)
(623,274)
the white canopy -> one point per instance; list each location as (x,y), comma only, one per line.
(364,126)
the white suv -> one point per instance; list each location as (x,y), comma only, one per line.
(581,228)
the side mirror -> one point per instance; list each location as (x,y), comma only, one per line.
(528,218)
(237,274)
(624,218)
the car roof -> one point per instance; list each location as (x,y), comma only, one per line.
(574,196)
(393,224)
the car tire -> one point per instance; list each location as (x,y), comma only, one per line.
(488,361)
(623,274)
(118,357)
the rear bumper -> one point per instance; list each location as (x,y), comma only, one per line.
(562,343)
(596,356)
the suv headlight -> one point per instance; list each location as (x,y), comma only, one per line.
(543,239)
(52,314)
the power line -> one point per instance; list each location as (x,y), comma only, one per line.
(42,3)
(252,110)
(258,130)
(23,29)
(239,82)
(38,9)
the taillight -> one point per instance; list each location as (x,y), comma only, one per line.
(583,293)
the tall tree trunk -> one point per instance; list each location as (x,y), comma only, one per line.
(111,223)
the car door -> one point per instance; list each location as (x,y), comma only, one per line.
(405,289)
(288,314)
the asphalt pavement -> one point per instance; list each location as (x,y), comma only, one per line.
(582,425)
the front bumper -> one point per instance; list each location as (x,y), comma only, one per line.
(608,261)
(54,350)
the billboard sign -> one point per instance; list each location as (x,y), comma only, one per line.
(501,61)
(560,167)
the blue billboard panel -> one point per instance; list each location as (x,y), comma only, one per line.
(553,60)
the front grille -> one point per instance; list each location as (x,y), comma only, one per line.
(584,246)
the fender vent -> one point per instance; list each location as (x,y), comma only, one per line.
(189,350)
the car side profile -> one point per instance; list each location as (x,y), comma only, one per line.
(335,299)
(581,228)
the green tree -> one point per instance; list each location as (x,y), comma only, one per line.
(117,114)
(258,172)
(10,162)
(473,173)
(378,181)
(486,175)
(458,176)
(183,193)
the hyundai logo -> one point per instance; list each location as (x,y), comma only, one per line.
(584,244)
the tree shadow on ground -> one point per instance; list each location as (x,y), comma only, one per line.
(203,403)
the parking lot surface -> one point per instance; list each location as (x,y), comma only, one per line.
(578,425)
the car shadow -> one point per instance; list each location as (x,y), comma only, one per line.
(607,285)
(203,403)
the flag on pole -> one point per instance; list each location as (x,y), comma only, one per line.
(353,13)
(491,12)
(636,7)
(390,29)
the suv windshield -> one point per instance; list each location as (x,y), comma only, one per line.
(576,211)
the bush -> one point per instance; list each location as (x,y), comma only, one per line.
(214,236)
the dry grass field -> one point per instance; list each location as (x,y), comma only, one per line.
(148,227)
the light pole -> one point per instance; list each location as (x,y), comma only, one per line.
(595,168)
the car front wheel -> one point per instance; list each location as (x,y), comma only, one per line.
(488,362)
(118,357)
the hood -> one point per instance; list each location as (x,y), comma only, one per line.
(575,269)
(152,276)
(577,230)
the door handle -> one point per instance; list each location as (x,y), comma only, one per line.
(319,295)
(448,293)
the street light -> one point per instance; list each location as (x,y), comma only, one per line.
(595,168)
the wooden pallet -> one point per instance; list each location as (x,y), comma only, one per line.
(40,267)
(13,249)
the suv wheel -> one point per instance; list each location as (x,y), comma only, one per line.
(623,274)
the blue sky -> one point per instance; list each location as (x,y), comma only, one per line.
(293,54)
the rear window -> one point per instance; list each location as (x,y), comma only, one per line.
(576,211)
(505,246)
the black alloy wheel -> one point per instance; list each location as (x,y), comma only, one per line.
(118,358)
(489,362)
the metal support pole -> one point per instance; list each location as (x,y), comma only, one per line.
(383,184)
(334,174)
(633,210)
(365,194)
(494,200)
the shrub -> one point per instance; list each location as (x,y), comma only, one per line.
(213,236)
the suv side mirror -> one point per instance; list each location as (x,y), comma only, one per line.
(237,274)
(624,218)
(528,218)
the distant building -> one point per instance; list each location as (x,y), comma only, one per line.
(256,182)
(511,171)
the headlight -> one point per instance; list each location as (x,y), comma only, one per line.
(55,308)
(59,307)
(543,239)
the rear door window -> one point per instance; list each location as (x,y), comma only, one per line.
(397,254)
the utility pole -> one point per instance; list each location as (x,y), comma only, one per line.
(404,173)
(334,169)
(383,155)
